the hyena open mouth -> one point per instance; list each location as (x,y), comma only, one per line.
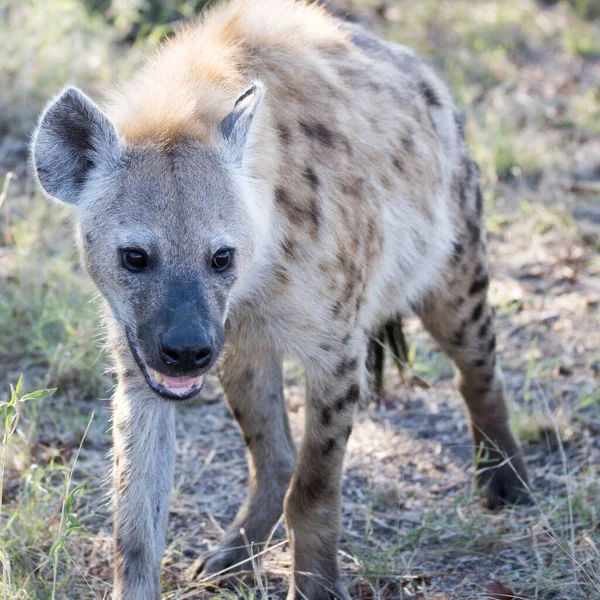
(174,388)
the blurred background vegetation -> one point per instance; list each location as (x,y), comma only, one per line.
(527,74)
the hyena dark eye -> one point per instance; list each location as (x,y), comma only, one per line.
(134,260)
(222,259)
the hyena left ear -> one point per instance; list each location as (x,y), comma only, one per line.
(235,127)
(73,137)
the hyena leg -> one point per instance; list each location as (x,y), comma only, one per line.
(312,506)
(144,458)
(460,319)
(254,392)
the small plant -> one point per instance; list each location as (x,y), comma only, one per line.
(33,535)
(10,412)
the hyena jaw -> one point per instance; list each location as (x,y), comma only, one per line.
(274,181)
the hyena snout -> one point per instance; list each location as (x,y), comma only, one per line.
(186,347)
(175,355)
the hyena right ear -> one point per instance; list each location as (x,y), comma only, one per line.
(235,127)
(72,138)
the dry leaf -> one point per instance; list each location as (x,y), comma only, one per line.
(498,591)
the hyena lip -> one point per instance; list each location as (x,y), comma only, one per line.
(179,388)
(174,388)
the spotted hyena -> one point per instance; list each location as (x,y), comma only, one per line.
(273,182)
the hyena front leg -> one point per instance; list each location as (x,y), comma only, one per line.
(312,507)
(144,458)
(254,392)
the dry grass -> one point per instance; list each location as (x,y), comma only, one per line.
(528,78)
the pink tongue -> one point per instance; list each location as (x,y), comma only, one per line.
(179,382)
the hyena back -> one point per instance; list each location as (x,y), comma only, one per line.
(273,181)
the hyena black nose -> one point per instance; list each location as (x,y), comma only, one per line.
(186,347)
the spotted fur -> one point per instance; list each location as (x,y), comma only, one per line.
(334,165)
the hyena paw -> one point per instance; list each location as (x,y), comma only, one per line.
(221,563)
(505,484)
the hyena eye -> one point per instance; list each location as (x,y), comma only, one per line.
(134,260)
(222,259)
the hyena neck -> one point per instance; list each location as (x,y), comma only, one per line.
(261,168)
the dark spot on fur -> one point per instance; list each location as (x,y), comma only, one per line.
(315,216)
(311,176)
(399,166)
(282,276)
(408,143)
(325,347)
(346,366)
(429,94)
(237,413)
(312,486)
(483,330)
(458,338)
(298,214)
(468,167)
(358,304)
(281,196)
(284,133)
(350,397)
(288,248)
(474,231)
(259,436)
(247,440)
(478,201)
(477,312)
(457,250)
(479,285)
(88,238)
(492,344)
(329,446)
(336,309)
(326,417)
(353,394)
(480,362)
(319,131)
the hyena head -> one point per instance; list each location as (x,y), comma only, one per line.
(166,233)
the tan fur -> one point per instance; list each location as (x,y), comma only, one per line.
(186,88)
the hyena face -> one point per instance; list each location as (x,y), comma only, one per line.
(165,233)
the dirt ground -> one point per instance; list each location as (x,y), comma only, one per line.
(528,77)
